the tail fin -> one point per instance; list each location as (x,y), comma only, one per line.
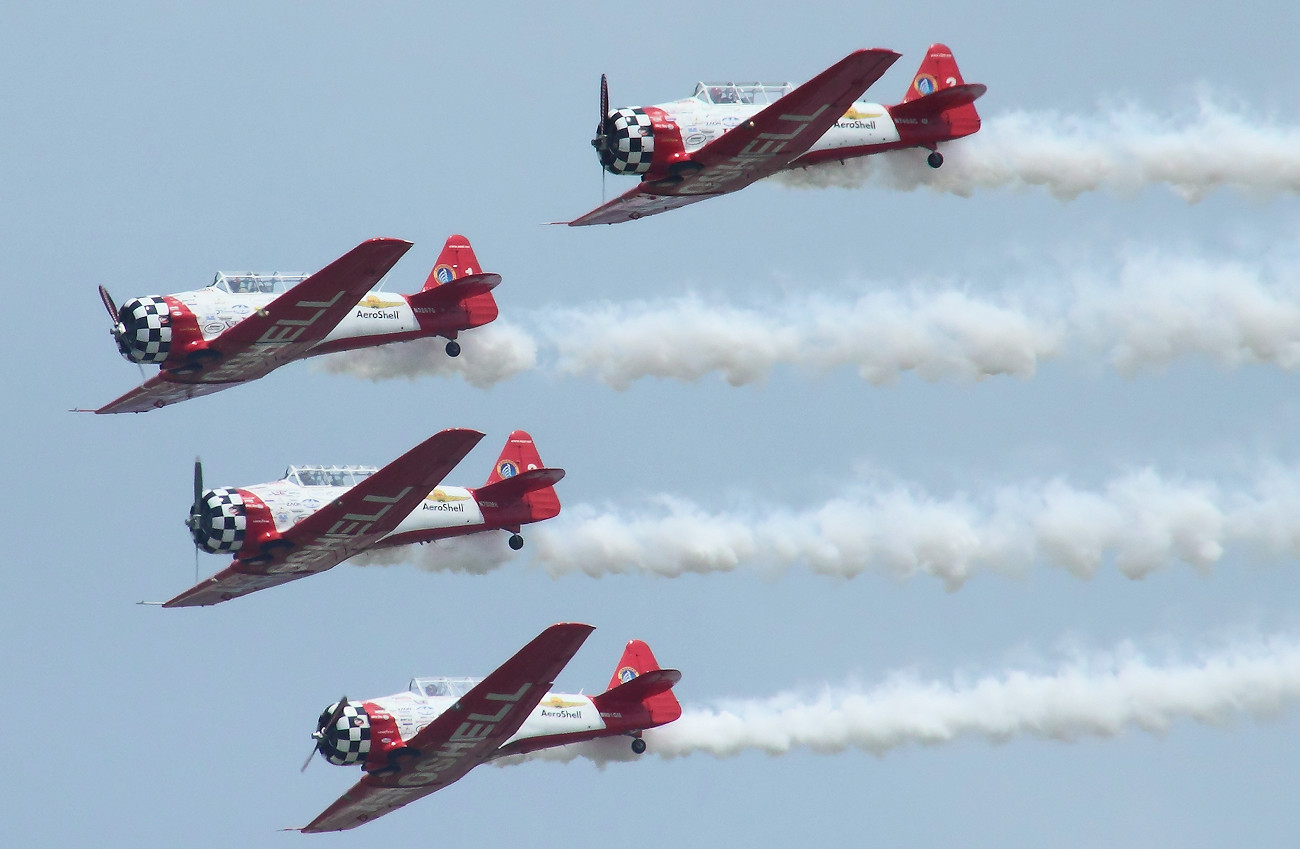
(456,260)
(520,457)
(638,679)
(938,89)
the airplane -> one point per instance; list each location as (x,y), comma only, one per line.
(243,326)
(728,135)
(414,743)
(316,517)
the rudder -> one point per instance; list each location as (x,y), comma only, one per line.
(637,662)
(938,74)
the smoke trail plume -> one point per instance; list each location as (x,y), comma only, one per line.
(489,355)
(1140,523)
(1121,150)
(1143,312)
(1095,696)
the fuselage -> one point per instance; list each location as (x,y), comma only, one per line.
(391,722)
(247,519)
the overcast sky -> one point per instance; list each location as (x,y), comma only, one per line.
(968,495)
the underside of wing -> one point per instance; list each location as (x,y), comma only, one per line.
(159,391)
(227,584)
(356,519)
(287,327)
(636,203)
(467,734)
(777,135)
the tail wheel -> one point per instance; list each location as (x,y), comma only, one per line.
(453,348)
(516,541)
(638,745)
(935,159)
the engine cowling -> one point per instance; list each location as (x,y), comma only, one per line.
(346,741)
(638,141)
(220,521)
(144,330)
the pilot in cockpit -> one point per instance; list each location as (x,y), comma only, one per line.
(437,688)
(722,94)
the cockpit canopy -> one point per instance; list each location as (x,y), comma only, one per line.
(756,94)
(328,475)
(454,687)
(241,283)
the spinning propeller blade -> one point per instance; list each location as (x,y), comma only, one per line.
(320,730)
(109,304)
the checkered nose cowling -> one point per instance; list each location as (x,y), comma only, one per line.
(347,740)
(144,330)
(629,143)
(220,522)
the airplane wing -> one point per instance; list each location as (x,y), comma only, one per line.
(757,148)
(274,335)
(466,735)
(158,391)
(342,528)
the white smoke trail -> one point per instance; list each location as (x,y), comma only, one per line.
(1143,313)
(489,355)
(1139,522)
(1100,695)
(1121,150)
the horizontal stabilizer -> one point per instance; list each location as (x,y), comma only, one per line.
(512,488)
(640,688)
(449,294)
(939,102)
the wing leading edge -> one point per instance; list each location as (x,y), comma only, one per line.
(757,148)
(342,528)
(466,735)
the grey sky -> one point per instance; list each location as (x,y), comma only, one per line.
(148,145)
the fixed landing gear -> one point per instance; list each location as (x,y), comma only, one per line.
(516,541)
(935,159)
(453,348)
(638,745)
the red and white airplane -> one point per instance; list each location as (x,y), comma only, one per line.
(316,516)
(243,326)
(414,743)
(729,135)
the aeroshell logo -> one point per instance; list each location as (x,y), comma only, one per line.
(444,274)
(626,674)
(507,469)
(925,84)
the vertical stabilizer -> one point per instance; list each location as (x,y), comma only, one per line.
(456,260)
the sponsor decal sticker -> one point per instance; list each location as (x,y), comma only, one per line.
(213,327)
(695,138)
(241,309)
(311,503)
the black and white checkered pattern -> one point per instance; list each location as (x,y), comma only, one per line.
(221,522)
(145,330)
(631,142)
(347,741)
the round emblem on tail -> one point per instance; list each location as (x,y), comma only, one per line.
(444,274)
(626,674)
(924,83)
(507,469)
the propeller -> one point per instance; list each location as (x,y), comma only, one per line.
(319,735)
(196,513)
(601,141)
(119,329)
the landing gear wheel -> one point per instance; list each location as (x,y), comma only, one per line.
(638,745)
(516,541)
(453,348)
(935,159)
